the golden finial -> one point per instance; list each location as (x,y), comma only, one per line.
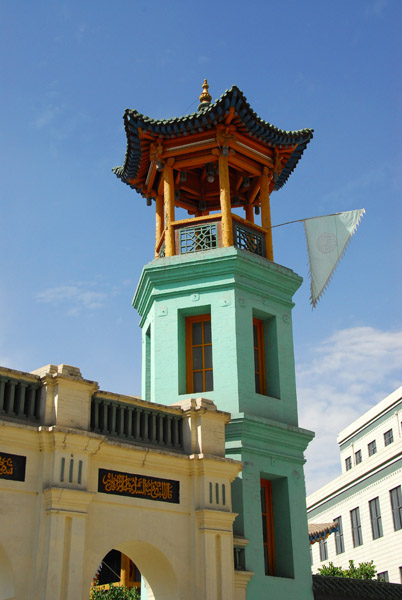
(205,96)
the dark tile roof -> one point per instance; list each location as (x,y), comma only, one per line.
(340,588)
(207,118)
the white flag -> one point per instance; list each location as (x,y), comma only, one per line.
(327,238)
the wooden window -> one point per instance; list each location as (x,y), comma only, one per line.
(388,437)
(268,527)
(199,354)
(396,505)
(339,543)
(356,527)
(375,517)
(259,356)
(323,550)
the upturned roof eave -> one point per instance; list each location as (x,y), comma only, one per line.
(204,119)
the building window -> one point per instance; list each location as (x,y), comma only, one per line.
(375,516)
(396,504)
(339,544)
(259,356)
(372,448)
(356,527)
(358,457)
(383,576)
(323,550)
(268,527)
(348,463)
(388,437)
(400,573)
(199,354)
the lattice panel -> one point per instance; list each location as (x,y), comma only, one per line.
(198,238)
(249,240)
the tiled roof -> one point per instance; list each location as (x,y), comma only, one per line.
(207,118)
(340,588)
(320,531)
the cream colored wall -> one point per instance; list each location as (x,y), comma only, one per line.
(55,533)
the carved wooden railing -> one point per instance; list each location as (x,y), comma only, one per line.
(205,233)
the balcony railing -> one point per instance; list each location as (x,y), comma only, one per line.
(205,233)
(136,424)
(19,399)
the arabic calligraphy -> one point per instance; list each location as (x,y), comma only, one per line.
(138,486)
(6,466)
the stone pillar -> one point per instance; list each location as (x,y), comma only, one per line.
(216,550)
(66,513)
(67,401)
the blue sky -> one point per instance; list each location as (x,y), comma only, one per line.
(74,238)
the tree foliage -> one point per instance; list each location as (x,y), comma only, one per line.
(365,570)
(115,593)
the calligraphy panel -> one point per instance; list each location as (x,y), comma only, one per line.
(12,466)
(138,486)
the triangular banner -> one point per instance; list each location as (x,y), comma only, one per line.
(327,238)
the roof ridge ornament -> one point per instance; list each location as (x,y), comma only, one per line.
(205,98)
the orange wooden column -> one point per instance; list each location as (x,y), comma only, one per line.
(266,212)
(224,185)
(159,221)
(124,570)
(168,195)
(249,209)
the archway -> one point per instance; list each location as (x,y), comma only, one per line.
(156,569)
(7,591)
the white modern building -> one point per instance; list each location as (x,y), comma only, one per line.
(366,500)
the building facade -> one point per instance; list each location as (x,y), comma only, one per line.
(366,499)
(83,472)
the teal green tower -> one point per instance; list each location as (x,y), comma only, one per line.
(216,313)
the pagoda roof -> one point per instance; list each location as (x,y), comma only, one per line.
(207,118)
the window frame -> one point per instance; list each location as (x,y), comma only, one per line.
(189,353)
(358,457)
(375,518)
(260,349)
(339,541)
(348,463)
(269,544)
(388,439)
(355,521)
(372,448)
(396,506)
(323,550)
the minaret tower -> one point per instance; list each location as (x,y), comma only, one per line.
(216,313)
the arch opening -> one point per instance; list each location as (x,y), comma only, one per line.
(139,566)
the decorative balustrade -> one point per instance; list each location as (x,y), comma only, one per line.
(205,233)
(136,423)
(19,399)
(248,238)
(198,237)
